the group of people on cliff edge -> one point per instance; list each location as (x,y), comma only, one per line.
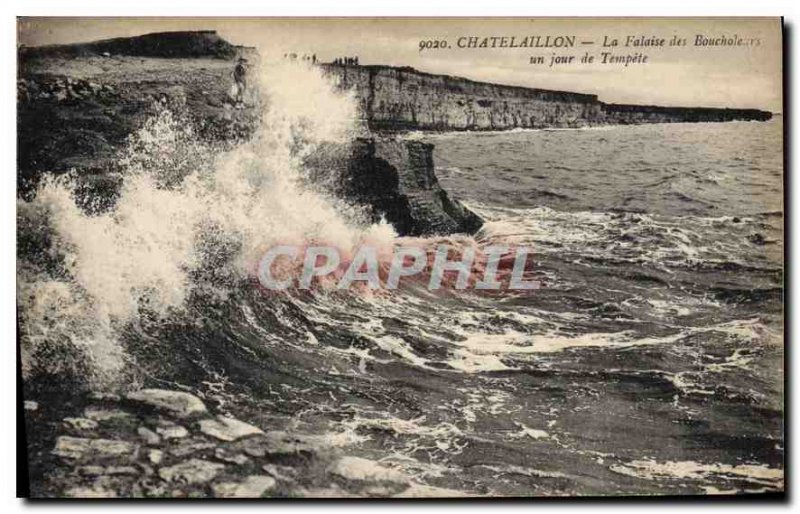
(346,60)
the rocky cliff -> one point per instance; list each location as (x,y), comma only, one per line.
(78,105)
(77,112)
(404,98)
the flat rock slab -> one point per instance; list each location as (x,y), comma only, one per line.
(148,435)
(110,470)
(253,486)
(155,456)
(427,491)
(80,448)
(333,491)
(228,429)
(190,446)
(173,432)
(80,423)
(231,456)
(87,492)
(100,414)
(192,471)
(356,468)
(284,473)
(177,403)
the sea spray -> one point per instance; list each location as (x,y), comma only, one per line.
(180,200)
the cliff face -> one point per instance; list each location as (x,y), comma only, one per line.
(634,114)
(78,104)
(404,98)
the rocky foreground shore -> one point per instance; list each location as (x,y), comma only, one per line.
(162,443)
(79,110)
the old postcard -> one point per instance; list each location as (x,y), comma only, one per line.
(394,258)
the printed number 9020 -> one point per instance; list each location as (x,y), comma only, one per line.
(433,44)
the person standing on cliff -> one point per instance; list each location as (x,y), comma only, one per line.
(240,81)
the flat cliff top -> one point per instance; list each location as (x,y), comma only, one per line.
(90,103)
(203,43)
(118,69)
(455,82)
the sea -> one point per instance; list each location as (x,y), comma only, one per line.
(649,362)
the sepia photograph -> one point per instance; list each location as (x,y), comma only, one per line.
(318,257)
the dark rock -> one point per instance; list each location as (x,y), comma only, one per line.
(395,180)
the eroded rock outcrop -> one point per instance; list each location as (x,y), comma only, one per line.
(395,180)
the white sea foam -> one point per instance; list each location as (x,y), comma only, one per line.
(180,203)
(759,474)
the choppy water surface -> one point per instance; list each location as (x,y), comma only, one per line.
(650,362)
(655,349)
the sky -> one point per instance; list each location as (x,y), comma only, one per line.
(713,76)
